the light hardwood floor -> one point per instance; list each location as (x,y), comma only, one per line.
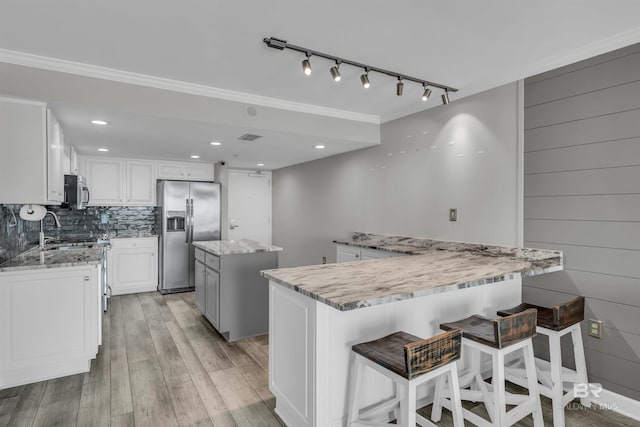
(162,364)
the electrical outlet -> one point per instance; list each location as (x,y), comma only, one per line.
(324,259)
(453,214)
(595,328)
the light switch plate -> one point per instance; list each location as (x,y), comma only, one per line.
(453,214)
(595,328)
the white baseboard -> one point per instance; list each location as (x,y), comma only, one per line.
(614,402)
(133,289)
(619,403)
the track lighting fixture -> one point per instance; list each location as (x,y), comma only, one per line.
(399,87)
(335,72)
(306,65)
(364,78)
(445,97)
(426,94)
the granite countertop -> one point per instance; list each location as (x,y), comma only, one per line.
(36,259)
(230,247)
(437,266)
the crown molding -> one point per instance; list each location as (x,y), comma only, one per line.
(95,71)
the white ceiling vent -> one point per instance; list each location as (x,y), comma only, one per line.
(249,137)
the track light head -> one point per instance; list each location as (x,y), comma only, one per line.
(426,94)
(399,87)
(306,66)
(445,97)
(335,72)
(365,79)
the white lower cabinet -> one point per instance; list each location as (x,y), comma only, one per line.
(345,253)
(133,265)
(50,323)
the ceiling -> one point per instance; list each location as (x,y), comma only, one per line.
(215,49)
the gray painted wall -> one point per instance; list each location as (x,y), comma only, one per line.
(582,196)
(462,155)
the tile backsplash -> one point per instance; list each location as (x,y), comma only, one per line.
(17,235)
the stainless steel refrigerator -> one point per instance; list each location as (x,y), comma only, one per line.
(190,213)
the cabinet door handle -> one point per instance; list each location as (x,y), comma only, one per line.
(87,278)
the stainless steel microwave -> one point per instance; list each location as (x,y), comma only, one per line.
(76,193)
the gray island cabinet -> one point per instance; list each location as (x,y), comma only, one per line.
(229,289)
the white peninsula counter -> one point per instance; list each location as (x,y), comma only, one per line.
(229,289)
(316,313)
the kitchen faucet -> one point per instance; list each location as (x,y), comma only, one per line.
(44,240)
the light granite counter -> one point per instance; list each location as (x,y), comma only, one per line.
(436,266)
(36,259)
(229,247)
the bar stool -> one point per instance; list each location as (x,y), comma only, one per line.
(556,322)
(497,338)
(408,361)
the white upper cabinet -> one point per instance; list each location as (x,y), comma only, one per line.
(55,159)
(172,170)
(200,171)
(120,182)
(104,180)
(31,153)
(140,182)
(185,170)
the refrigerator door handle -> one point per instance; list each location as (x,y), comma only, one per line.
(187,220)
(192,221)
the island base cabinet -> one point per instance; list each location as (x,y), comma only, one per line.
(231,293)
(49,323)
(212,297)
(200,285)
(310,345)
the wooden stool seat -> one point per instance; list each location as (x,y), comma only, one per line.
(496,333)
(555,322)
(556,318)
(408,361)
(497,338)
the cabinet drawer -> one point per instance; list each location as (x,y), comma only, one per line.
(142,243)
(200,256)
(212,261)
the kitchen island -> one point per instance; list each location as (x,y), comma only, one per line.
(50,313)
(229,289)
(316,313)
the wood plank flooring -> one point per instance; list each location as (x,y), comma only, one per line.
(162,364)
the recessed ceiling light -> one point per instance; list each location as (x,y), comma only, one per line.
(259,164)
(215,143)
(99,122)
(104,150)
(319,147)
(195,156)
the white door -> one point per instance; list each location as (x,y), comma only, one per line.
(250,206)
